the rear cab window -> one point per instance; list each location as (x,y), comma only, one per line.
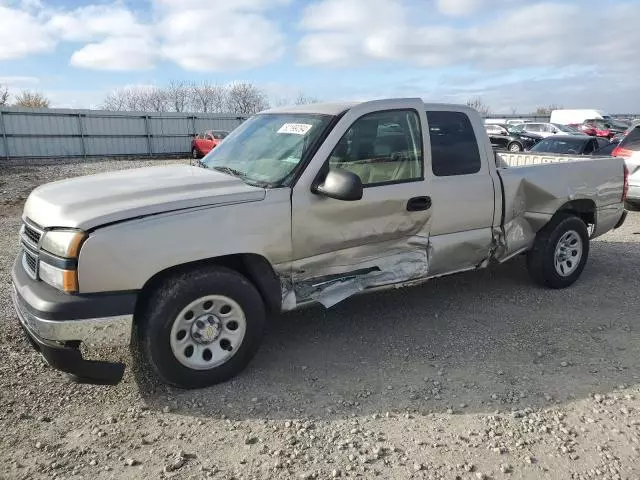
(454,146)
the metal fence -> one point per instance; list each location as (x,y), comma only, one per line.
(53,133)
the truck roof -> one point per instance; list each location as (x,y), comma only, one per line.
(336,108)
(330,108)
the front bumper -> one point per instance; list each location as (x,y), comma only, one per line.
(56,324)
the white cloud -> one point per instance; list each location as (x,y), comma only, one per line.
(21,34)
(92,21)
(536,34)
(198,35)
(457,8)
(116,53)
(343,32)
(222,36)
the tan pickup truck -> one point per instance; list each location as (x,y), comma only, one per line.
(299,205)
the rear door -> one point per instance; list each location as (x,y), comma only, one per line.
(342,247)
(463,192)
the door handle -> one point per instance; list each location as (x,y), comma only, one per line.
(417,204)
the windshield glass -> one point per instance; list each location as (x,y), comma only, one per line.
(565,128)
(559,145)
(266,148)
(517,129)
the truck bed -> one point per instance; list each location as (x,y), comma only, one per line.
(535,186)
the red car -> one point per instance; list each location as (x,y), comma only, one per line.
(206,141)
(600,128)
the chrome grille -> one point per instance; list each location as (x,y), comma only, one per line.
(30,236)
(30,263)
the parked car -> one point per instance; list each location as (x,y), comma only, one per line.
(571,145)
(601,128)
(548,129)
(191,259)
(206,141)
(629,149)
(576,116)
(608,148)
(511,137)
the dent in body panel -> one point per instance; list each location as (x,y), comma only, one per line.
(332,277)
(534,193)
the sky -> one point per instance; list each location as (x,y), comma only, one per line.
(515,55)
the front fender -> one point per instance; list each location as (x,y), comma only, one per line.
(126,255)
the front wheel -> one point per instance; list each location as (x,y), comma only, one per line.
(515,147)
(195,154)
(560,251)
(201,327)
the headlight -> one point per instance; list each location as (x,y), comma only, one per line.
(65,280)
(63,243)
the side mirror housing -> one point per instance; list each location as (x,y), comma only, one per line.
(341,185)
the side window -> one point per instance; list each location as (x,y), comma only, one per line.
(209,136)
(454,148)
(382,147)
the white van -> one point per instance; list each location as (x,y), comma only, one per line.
(575,117)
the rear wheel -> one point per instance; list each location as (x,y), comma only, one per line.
(202,327)
(515,147)
(195,154)
(559,252)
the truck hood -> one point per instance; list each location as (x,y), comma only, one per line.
(94,200)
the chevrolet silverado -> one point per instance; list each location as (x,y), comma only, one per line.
(299,205)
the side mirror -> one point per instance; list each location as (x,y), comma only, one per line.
(341,185)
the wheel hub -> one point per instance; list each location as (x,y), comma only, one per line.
(206,329)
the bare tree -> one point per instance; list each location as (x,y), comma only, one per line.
(154,99)
(4,95)
(547,110)
(32,100)
(239,98)
(478,105)
(207,97)
(303,99)
(137,98)
(245,99)
(177,95)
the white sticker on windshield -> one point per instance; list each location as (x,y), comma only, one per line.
(295,128)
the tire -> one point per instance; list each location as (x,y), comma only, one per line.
(195,154)
(541,259)
(514,147)
(165,328)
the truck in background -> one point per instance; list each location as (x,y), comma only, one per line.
(577,116)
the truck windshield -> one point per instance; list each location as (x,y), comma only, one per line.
(267,148)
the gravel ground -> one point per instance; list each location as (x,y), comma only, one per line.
(479,375)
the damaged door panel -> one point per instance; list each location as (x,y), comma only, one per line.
(342,247)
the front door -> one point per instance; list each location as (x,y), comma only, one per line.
(342,247)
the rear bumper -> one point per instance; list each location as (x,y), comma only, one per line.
(56,324)
(634,193)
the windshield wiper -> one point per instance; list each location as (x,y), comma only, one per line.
(242,176)
(230,171)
